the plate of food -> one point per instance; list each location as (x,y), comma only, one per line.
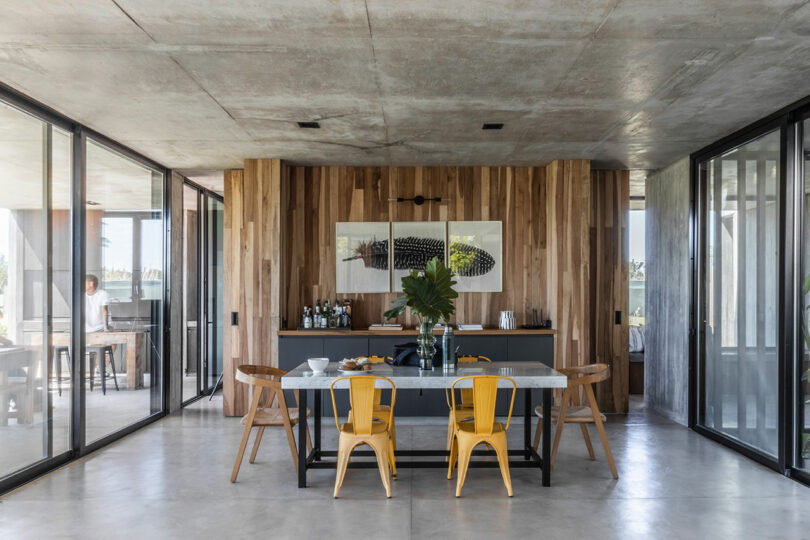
(354,366)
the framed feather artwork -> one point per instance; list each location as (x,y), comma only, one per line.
(416,243)
(362,257)
(476,255)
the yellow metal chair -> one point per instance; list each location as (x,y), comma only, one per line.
(362,429)
(266,415)
(483,429)
(575,413)
(462,410)
(381,412)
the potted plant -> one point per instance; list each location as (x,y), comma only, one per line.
(430,296)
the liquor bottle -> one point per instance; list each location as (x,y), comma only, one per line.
(348,310)
(325,314)
(316,321)
(306,321)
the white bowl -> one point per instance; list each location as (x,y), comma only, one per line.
(317,365)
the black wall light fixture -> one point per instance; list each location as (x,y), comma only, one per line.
(419,200)
(492,125)
(309,125)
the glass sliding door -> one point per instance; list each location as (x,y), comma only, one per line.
(35,355)
(202,291)
(124,262)
(738,294)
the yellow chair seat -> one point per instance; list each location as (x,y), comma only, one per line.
(469,427)
(272,416)
(376,427)
(573,414)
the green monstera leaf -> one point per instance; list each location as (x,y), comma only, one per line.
(429,294)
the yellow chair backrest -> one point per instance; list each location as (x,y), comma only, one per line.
(484,397)
(472,358)
(362,397)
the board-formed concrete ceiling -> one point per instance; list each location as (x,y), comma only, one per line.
(199,85)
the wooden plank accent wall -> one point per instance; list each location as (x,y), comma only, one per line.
(610,203)
(321,196)
(568,200)
(280,249)
(253,274)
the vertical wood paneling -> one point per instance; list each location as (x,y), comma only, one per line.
(322,196)
(610,203)
(568,201)
(280,249)
(253,277)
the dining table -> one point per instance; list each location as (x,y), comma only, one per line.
(528,377)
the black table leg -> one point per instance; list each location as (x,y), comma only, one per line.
(302,438)
(527,423)
(547,436)
(317,421)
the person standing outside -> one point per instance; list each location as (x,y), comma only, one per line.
(96,306)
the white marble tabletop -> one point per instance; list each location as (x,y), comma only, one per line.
(525,375)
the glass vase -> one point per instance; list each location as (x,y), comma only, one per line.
(427,345)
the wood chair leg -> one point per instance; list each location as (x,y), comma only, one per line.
(537,433)
(597,416)
(245,435)
(291,442)
(587,438)
(344,450)
(256,444)
(560,424)
(309,440)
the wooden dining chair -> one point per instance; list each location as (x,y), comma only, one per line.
(267,415)
(462,410)
(571,411)
(483,429)
(362,429)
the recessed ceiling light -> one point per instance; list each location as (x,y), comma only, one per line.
(492,125)
(309,125)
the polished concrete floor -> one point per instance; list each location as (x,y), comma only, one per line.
(171,480)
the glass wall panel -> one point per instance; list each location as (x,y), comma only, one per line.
(214,274)
(35,170)
(124,284)
(803,418)
(739,354)
(192,382)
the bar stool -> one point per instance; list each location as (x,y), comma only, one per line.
(59,354)
(102,352)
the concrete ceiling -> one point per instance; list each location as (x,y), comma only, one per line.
(199,85)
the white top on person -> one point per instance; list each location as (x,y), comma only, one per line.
(96,310)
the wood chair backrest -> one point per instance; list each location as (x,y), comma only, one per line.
(362,398)
(484,397)
(589,374)
(254,376)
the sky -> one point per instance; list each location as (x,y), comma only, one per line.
(637,237)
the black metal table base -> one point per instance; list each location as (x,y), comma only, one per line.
(531,459)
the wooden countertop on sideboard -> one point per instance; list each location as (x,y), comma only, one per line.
(413,332)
